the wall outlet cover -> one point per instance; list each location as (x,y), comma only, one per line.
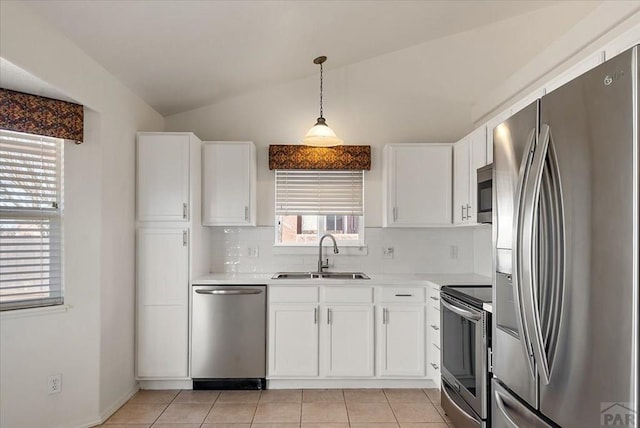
(387,252)
(55,383)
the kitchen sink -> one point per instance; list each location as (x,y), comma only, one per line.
(320,275)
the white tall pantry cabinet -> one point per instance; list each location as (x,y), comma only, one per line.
(171,248)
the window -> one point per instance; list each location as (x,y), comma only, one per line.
(310,203)
(30,220)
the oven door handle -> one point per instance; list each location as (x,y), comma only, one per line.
(462,312)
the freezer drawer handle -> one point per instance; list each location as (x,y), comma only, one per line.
(230,291)
(503,410)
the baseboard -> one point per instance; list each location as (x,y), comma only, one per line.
(106,414)
(348,383)
(166,384)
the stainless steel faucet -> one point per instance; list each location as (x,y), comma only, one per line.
(322,266)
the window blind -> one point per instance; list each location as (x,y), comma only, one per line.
(319,192)
(30,220)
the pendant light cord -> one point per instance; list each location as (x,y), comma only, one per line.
(320,89)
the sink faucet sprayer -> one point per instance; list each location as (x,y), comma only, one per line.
(322,266)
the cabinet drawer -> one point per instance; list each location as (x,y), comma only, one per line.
(293,294)
(402,294)
(434,333)
(433,297)
(347,295)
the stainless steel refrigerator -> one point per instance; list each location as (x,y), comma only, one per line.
(565,333)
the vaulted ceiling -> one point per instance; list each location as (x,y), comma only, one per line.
(179,55)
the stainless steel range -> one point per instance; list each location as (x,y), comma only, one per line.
(465,344)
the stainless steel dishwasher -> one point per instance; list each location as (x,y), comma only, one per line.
(228,336)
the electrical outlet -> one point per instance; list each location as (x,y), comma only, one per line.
(387,252)
(252,251)
(55,383)
(453,252)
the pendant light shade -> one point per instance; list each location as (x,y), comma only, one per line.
(321,135)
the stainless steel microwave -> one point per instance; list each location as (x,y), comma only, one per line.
(485,192)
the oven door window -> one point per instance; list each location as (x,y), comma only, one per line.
(459,349)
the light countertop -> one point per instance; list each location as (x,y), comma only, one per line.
(436,280)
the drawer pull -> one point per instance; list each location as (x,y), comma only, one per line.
(434,298)
(436,346)
(404,295)
(435,366)
(435,327)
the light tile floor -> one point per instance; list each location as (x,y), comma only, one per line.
(325,408)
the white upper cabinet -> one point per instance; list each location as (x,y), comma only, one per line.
(469,154)
(163,177)
(229,184)
(417,185)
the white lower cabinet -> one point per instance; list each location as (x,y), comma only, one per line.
(329,333)
(348,341)
(162,303)
(434,362)
(293,339)
(162,349)
(402,338)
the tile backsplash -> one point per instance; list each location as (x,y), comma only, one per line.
(441,250)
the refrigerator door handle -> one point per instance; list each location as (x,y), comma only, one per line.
(527,265)
(524,333)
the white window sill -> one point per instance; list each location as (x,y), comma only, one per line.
(35,312)
(298,250)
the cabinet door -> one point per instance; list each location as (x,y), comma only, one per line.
(348,341)
(293,340)
(418,185)
(163,267)
(461,176)
(228,184)
(163,177)
(163,341)
(402,347)
(162,303)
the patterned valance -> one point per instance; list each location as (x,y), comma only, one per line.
(306,157)
(37,115)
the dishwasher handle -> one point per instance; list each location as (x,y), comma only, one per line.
(230,291)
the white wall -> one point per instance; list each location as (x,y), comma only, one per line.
(420,94)
(92,342)
(603,24)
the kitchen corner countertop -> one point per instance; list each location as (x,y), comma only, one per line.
(436,280)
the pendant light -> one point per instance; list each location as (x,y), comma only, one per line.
(321,135)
